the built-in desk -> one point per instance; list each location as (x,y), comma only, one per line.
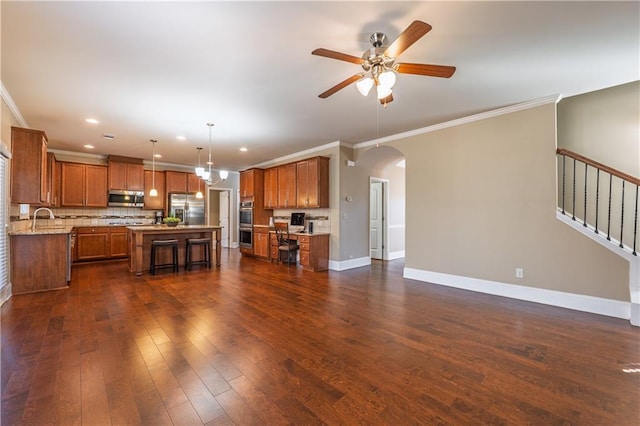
(314,250)
(140,238)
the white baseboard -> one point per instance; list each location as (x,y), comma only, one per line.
(396,255)
(343,265)
(578,302)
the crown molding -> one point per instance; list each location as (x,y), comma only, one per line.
(299,154)
(12,106)
(460,121)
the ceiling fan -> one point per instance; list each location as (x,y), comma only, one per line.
(379,63)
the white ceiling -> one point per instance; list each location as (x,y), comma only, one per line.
(155,70)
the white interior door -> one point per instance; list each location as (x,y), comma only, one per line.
(376,220)
(224,217)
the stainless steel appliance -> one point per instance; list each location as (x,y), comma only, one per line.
(187,207)
(246,237)
(122,198)
(246,214)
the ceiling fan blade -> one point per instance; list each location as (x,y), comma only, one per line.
(337,55)
(444,71)
(340,86)
(385,101)
(409,36)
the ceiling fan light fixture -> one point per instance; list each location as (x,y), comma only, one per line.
(387,78)
(364,85)
(383,91)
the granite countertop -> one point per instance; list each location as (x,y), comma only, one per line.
(169,228)
(63,229)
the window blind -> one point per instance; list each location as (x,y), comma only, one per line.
(4,223)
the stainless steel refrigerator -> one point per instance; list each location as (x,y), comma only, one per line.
(187,207)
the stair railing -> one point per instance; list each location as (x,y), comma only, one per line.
(587,174)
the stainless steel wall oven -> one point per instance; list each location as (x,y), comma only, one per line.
(246,214)
(246,237)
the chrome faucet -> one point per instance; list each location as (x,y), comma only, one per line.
(35,214)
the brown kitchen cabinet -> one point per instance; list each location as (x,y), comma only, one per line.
(271,188)
(101,243)
(39,262)
(53,168)
(247,183)
(313,250)
(312,178)
(126,175)
(92,243)
(154,203)
(29,167)
(287,185)
(194,183)
(261,242)
(181,182)
(83,185)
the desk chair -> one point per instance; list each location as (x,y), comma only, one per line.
(285,243)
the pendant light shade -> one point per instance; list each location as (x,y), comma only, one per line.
(224,174)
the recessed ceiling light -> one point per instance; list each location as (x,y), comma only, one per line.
(244,149)
(91,121)
(89,146)
(181,138)
(158,155)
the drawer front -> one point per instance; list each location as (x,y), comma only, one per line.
(304,239)
(260,230)
(274,253)
(304,258)
(305,246)
(93,230)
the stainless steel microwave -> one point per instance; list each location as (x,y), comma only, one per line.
(121,198)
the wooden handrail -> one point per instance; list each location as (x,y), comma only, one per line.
(610,170)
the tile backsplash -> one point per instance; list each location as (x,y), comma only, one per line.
(319,217)
(82,217)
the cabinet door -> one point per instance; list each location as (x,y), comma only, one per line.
(72,185)
(313,182)
(246,184)
(117,175)
(29,166)
(154,203)
(96,186)
(176,181)
(92,244)
(271,188)
(53,183)
(287,185)
(194,184)
(261,244)
(135,177)
(118,246)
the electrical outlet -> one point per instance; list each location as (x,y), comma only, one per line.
(519,273)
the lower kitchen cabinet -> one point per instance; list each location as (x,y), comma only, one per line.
(261,242)
(313,250)
(101,242)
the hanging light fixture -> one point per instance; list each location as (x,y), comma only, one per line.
(153,192)
(201,170)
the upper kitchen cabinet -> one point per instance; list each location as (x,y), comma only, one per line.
(181,182)
(53,167)
(271,188)
(247,183)
(154,203)
(313,183)
(126,174)
(287,185)
(29,167)
(83,185)
(194,184)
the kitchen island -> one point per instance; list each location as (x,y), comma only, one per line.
(140,238)
(40,259)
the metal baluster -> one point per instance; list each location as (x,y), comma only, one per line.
(622,215)
(573,209)
(584,218)
(597,197)
(609,215)
(635,224)
(564,174)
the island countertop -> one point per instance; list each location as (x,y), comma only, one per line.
(141,236)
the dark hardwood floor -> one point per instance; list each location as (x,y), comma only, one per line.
(259,343)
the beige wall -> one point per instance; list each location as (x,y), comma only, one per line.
(481,201)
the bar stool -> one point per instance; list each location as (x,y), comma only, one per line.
(206,259)
(157,244)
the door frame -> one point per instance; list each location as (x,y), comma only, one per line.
(230,226)
(385,214)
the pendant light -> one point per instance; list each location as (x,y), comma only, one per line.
(201,170)
(153,192)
